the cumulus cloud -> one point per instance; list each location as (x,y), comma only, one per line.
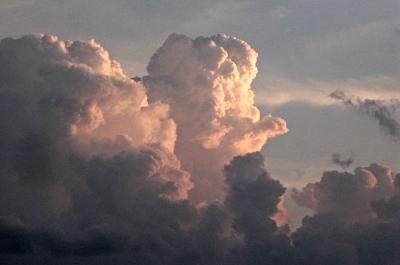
(329,238)
(253,199)
(95,168)
(347,195)
(383,112)
(207,83)
(88,169)
(72,184)
(63,88)
(60,102)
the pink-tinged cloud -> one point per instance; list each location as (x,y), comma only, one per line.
(347,195)
(207,83)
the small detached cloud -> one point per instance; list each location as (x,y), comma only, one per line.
(343,162)
(382,111)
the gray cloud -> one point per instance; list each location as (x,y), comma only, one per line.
(339,160)
(383,112)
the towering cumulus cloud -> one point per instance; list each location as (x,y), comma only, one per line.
(206,82)
(90,165)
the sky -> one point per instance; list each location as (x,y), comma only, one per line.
(325,81)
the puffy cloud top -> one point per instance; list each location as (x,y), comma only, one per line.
(207,83)
(347,195)
(60,102)
(211,78)
(64,88)
(90,169)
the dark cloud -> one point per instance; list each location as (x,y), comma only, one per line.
(253,200)
(340,232)
(338,159)
(116,211)
(383,112)
(323,239)
(137,79)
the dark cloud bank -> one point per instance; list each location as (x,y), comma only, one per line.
(75,192)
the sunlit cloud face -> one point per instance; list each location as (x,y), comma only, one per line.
(207,83)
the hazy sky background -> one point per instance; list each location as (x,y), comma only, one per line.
(306,49)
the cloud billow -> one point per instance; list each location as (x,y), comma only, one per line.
(97,168)
(207,83)
(90,168)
